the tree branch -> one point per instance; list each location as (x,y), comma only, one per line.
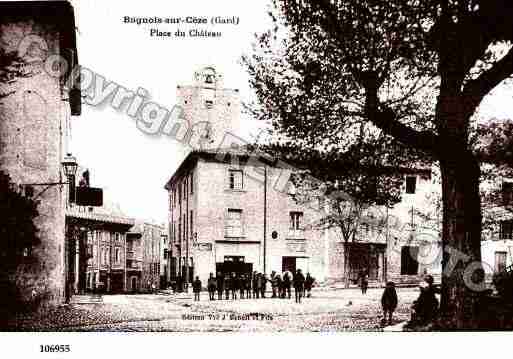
(386,119)
(474,91)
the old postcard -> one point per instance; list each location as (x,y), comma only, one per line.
(255,167)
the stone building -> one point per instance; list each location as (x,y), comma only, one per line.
(144,253)
(396,243)
(97,237)
(111,252)
(224,218)
(150,237)
(216,218)
(497,245)
(230,209)
(35,110)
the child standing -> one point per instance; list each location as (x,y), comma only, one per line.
(196,288)
(389,302)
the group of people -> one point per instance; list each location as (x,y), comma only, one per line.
(255,285)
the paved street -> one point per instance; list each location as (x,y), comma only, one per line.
(327,310)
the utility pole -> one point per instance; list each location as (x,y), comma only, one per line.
(187,235)
(265,218)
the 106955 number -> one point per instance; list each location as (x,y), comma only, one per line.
(55,348)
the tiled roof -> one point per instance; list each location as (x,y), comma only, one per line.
(99,217)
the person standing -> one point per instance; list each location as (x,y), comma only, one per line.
(273,284)
(389,302)
(279,286)
(211,286)
(299,285)
(234,285)
(309,281)
(247,285)
(364,282)
(263,285)
(227,286)
(287,284)
(256,290)
(196,288)
(219,285)
(242,286)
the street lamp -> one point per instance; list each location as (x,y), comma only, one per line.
(69,165)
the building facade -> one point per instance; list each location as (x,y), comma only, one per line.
(224,220)
(97,249)
(398,243)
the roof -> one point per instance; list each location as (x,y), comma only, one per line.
(246,152)
(223,155)
(98,217)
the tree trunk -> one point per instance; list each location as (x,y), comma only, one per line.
(346,264)
(462,277)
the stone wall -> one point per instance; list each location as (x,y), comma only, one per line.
(32,144)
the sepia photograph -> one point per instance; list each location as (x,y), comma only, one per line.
(274,166)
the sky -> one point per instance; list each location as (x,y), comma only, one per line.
(131,166)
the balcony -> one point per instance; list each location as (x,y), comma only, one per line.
(296,234)
(134,265)
(130,255)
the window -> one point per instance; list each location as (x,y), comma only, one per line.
(191,223)
(209,79)
(296,230)
(296,220)
(235,179)
(411,184)
(506,230)
(233,225)
(507,193)
(180,229)
(209,104)
(118,258)
(192,182)
(500,261)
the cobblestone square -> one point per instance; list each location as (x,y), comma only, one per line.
(327,310)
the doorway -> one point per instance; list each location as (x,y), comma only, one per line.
(234,264)
(133,286)
(288,264)
(409,260)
